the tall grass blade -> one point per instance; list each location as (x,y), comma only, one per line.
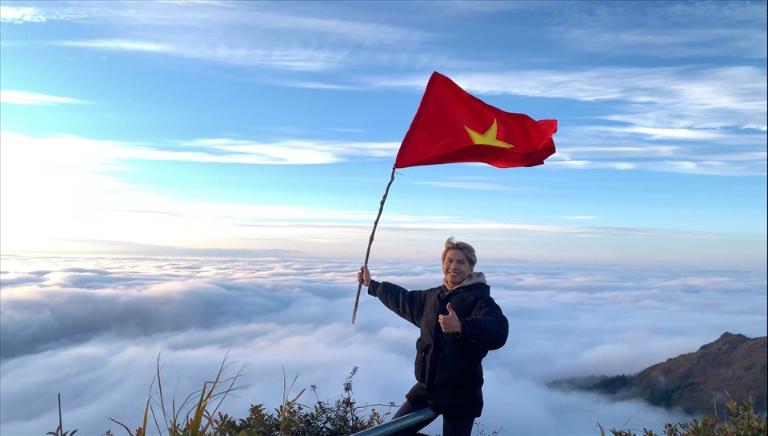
(128,430)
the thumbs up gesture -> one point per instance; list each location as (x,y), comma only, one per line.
(449,323)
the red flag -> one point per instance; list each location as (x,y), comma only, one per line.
(453,126)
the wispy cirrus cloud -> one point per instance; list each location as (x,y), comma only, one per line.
(245,34)
(472,185)
(21,14)
(317,85)
(120,44)
(295,56)
(291,58)
(669,133)
(27,98)
(170,18)
(670,30)
(359,32)
(745,165)
(292,151)
(619,151)
(43,12)
(698,151)
(666,42)
(658,97)
(579,217)
(212,150)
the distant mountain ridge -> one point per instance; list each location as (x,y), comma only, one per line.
(733,366)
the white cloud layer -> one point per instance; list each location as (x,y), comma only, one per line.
(91,329)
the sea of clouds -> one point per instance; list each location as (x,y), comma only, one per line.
(92,329)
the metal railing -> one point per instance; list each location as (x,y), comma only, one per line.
(400,423)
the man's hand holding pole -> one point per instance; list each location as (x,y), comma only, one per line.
(364,276)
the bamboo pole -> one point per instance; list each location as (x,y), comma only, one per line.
(370,241)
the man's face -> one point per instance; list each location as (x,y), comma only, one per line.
(456,267)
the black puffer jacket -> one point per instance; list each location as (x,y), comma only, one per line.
(448,365)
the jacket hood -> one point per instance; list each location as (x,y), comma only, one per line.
(473,279)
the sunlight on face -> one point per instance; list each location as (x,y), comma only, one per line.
(456,268)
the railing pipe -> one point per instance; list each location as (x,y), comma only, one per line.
(400,423)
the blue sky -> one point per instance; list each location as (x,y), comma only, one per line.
(273,126)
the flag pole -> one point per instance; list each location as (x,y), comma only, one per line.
(370,240)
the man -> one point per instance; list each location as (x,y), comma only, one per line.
(459,324)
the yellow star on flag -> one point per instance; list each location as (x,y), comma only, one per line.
(487,138)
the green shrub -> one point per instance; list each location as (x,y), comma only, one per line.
(741,420)
(323,418)
(198,414)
